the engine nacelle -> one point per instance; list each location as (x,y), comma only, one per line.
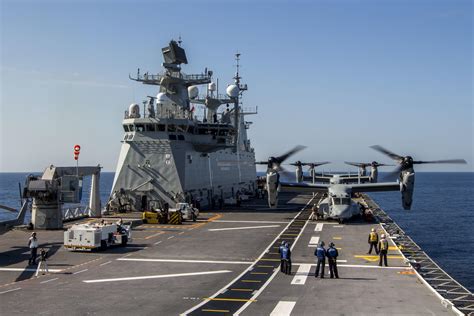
(374,173)
(407,185)
(273,181)
(299,174)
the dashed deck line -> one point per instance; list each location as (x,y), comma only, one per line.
(283,308)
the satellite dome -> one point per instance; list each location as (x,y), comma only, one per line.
(162,98)
(193,92)
(232,91)
(134,110)
(212,86)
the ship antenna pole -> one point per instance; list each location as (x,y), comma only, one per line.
(236,102)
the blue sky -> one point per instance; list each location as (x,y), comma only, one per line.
(336,76)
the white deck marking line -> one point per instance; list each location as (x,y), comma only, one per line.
(255,222)
(103,264)
(8,291)
(262,288)
(301,274)
(314,240)
(283,308)
(237,228)
(184,261)
(170,237)
(248,269)
(27,269)
(77,272)
(338,226)
(157,243)
(318,227)
(50,280)
(358,266)
(156,276)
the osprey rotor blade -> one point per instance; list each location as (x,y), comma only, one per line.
(387,152)
(289,153)
(448,161)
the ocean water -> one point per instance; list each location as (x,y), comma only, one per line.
(441,220)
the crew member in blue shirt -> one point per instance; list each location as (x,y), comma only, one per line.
(288,259)
(320,254)
(282,260)
(332,254)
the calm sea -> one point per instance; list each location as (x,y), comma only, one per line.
(441,221)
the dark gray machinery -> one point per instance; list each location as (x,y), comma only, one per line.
(57,186)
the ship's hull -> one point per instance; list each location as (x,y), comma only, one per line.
(154,170)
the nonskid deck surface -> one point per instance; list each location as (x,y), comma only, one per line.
(221,265)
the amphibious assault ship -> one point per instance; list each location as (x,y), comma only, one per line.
(169,154)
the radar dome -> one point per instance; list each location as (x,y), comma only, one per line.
(232,91)
(212,86)
(193,92)
(162,98)
(134,110)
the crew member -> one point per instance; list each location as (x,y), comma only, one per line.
(320,254)
(373,241)
(33,244)
(383,249)
(288,259)
(282,260)
(314,213)
(332,254)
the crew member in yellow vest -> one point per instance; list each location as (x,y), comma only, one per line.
(383,249)
(373,241)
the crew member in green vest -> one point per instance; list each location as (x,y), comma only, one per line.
(373,241)
(383,249)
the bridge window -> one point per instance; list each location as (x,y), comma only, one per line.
(139,127)
(346,201)
(171,128)
(172,137)
(131,127)
(161,127)
(125,128)
(150,127)
(180,137)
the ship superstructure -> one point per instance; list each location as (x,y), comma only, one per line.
(169,155)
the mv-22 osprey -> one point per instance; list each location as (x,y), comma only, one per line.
(340,189)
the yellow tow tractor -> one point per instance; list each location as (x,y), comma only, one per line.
(155,217)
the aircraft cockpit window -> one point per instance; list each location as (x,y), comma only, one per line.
(346,201)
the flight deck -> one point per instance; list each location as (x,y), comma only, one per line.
(225,263)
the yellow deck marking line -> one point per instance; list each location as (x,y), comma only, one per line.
(258,273)
(392,248)
(337,238)
(242,290)
(406,272)
(228,299)
(375,258)
(215,310)
(261,266)
(251,281)
(154,235)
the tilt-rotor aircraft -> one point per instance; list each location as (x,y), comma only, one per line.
(340,190)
